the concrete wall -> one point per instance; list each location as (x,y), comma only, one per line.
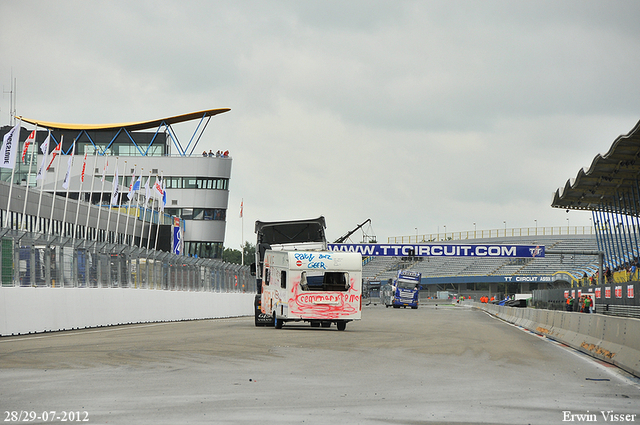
(615,340)
(31,310)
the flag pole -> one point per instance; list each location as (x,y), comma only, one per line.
(104,170)
(146,199)
(55,187)
(151,219)
(113,192)
(75,225)
(42,174)
(155,247)
(118,200)
(130,196)
(14,142)
(242,229)
(67,180)
(26,193)
(137,213)
(93,181)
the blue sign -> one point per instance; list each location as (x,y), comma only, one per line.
(177,241)
(441,250)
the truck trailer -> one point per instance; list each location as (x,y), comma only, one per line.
(298,279)
(319,287)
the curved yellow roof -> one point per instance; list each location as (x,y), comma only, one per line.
(131,126)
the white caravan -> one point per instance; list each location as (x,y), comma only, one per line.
(320,287)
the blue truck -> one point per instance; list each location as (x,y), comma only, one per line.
(403,291)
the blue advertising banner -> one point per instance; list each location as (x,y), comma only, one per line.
(177,241)
(441,250)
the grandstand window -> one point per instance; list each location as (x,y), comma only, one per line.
(196,183)
(173,182)
(198,214)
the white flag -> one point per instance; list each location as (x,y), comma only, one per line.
(114,192)
(67,177)
(44,148)
(147,191)
(9,148)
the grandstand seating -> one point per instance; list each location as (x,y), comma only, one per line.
(383,268)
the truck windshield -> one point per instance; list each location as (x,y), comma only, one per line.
(406,284)
(324,281)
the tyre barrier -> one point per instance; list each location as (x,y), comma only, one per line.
(612,339)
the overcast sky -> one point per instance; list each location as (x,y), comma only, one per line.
(418,115)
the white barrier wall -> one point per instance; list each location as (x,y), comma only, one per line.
(31,310)
(613,339)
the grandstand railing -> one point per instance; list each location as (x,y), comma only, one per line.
(37,260)
(494,233)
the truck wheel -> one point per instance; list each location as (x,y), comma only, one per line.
(326,324)
(315,324)
(341,326)
(277,323)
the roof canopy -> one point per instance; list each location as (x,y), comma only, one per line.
(132,126)
(610,175)
(127,128)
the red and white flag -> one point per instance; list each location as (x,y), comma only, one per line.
(27,143)
(55,152)
(133,181)
(84,167)
(158,188)
(241,207)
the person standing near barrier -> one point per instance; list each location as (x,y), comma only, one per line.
(587,305)
(569,306)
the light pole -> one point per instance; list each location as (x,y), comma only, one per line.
(474,230)
(536,221)
(416,235)
(505,228)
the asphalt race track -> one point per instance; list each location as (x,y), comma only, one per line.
(426,366)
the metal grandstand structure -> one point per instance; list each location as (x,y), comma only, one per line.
(579,263)
(610,189)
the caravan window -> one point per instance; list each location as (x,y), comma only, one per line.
(324,281)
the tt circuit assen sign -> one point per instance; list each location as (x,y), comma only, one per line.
(441,250)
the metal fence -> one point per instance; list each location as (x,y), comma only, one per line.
(37,260)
